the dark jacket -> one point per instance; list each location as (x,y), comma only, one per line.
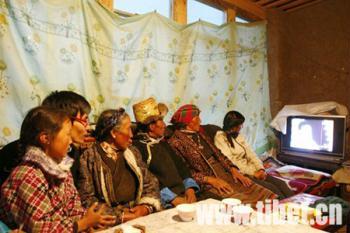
(95,182)
(9,159)
(170,169)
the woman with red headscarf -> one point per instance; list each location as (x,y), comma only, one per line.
(212,170)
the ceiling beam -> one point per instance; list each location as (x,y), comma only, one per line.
(277,3)
(304,5)
(214,3)
(246,6)
(263,2)
(294,4)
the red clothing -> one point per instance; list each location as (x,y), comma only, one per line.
(185,114)
(40,194)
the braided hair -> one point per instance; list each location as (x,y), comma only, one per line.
(108,120)
(232,119)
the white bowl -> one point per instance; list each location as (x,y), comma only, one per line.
(227,205)
(242,209)
(231,201)
(187,212)
(242,213)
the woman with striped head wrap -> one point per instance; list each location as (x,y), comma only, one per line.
(212,170)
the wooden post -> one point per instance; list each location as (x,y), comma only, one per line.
(179,11)
(230,15)
(107,3)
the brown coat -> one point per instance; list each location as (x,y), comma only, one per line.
(187,148)
(93,187)
(200,167)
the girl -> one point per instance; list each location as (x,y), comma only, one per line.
(233,145)
(40,194)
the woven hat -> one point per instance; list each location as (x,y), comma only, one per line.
(149,110)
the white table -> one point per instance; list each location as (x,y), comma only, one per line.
(168,222)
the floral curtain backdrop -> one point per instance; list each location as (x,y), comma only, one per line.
(114,62)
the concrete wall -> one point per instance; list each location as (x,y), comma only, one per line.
(309,54)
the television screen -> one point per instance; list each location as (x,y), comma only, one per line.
(312,134)
(315,134)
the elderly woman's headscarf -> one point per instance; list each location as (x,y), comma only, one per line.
(185,114)
(108,120)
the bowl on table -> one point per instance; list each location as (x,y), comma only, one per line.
(242,214)
(228,204)
(186,212)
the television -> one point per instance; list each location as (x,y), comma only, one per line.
(316,137)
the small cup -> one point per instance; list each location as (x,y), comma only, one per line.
(242,214)
(228,204)
(187,212)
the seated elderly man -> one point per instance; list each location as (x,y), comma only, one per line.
(176,184)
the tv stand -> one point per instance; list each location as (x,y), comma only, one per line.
(321,163)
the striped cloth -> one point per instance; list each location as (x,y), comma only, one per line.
(185,114)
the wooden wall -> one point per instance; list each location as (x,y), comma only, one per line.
(309,54)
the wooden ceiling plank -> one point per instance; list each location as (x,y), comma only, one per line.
(263,2)
(303,6)
(218,4)
(247,8)
(294,4)
(277,3)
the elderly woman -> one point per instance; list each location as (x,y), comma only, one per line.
(233,145)
(208,166)
(113,172)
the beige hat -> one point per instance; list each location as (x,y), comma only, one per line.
(148,110)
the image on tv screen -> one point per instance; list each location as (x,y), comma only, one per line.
(312,134)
